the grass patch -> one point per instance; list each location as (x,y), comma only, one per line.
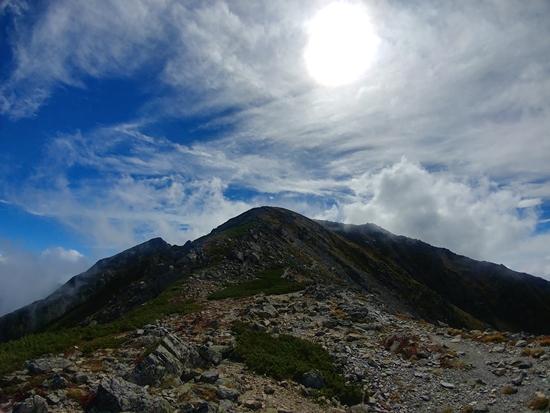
(268,282)
(288,357)
(540,403)
(104,342)
(509,390)
(14,353)
(238,232)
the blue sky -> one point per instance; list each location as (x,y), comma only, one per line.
(125,120)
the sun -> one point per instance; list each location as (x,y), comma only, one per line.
(342,44)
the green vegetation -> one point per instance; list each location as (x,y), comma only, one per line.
(14,353)
(288,357)
(237,232)
(269,282)
(104,342)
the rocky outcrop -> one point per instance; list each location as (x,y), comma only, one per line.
(117,395)
(168,361)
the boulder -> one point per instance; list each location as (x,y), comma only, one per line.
(48,364)
(313,379)
(32,404)
(117,395)
(168,360)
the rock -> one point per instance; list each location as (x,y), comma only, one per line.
(189,374)
(269,390)
(56,381)
(118,395)
(80,377)
(521,343)
(266,311)
(253,404)
(210,376)
(361,408)
(525,364)
(32,404)
(55,397)
(425,398)
(210,355)
(499,372)
(227,393)
(517,381)
(313,379)
(168,360)
(447,385)
(480,408)
(48,364)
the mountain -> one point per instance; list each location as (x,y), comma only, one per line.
(410,276)
(107,276)
(275,312)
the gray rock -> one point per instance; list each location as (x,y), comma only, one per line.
(189,374)
(80,377)
(32,404)
(480,408)
(117,395)
(447,385)
(210,376)
(253,404)
(210,355)
(48,364)
(56,381)
(313,379)
(168,360)
(227,393)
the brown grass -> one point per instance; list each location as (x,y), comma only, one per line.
(540,403)
(493,338)
(509,390)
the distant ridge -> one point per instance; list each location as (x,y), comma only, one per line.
(74,292)
(407,275)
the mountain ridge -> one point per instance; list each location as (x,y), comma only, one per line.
(413,277)
(272,311)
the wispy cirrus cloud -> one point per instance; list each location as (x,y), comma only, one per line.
(462,91)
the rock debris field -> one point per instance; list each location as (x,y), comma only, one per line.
(184,364)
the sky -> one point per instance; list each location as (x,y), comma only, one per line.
(121,121)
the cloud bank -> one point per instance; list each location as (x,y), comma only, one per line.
(26,276)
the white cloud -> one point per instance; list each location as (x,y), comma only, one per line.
(462,89)
(479,219)
(59,253)
(26,276)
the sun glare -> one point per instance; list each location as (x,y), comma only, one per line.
(341,45)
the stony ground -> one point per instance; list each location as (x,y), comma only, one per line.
(406,365)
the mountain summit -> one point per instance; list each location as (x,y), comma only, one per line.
(273,310)
(409,276)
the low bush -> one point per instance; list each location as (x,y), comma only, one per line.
(268,282)
(288,357)
(540,403)
(14,353)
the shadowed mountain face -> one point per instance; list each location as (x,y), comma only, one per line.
(409,276)
(106,277)
(502,298)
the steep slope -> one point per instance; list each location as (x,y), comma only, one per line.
(406,276)
(500,297)
(87,289)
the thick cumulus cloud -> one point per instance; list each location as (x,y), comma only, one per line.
(26,276)
(479,219)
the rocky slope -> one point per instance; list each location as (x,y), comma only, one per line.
(404,365)
(373,301)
